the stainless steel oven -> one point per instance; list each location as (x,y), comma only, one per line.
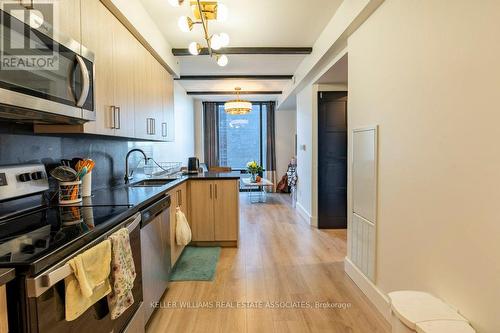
(43,79)
(45,309)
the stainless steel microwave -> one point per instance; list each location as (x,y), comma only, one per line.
(41,79)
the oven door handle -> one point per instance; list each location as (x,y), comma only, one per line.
(86,81)
(38,285)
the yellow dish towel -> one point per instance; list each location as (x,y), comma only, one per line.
(89,281)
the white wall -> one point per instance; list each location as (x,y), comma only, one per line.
(305,115)
(198,130)
(285,122)
(329,45)
(428,73)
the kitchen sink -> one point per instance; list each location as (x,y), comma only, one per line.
(152,182)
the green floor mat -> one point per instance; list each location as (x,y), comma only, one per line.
(196,264)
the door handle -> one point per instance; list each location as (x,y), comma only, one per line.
(215,191)
(210,191)
(164,129)
(119,114)
(154,125)
(86,81)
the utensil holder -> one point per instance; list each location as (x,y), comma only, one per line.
(87,185)
(70,192)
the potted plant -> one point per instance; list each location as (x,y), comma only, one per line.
(254,169)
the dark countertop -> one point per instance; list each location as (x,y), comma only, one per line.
(216,175)
(6,275)
(133,199)
(139,197)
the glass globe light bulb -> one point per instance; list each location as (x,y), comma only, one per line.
(215,42)
(194,48)
(222,12)
(222,60)
(224,39)
(175,3)
(183,23)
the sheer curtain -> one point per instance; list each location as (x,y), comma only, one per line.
(270,144)
(211,133)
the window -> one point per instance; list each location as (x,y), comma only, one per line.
(242,138)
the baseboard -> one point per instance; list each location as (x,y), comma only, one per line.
(375,295)
(311,220)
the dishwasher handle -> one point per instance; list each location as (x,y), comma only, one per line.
(154,210)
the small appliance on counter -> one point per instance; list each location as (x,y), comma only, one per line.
(193,165)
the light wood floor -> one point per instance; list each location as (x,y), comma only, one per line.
(279,259)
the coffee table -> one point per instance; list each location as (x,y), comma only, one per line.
(261,194)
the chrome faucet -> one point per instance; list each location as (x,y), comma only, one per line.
(128,175)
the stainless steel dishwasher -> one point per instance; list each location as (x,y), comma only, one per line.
(155,253)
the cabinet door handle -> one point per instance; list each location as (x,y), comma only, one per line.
(164,130)
(150,126)
(154,126)
(147,126)
(179,198)
(210,191)
(215,191)
(113,116)
(119,114)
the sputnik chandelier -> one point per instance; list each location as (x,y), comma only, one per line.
(204,11)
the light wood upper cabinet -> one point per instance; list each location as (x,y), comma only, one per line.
(97,28)
(68,20)
(133,91)
(168,116)
(123,80)
(214,210)
(143,93)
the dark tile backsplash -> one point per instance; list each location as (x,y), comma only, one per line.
(18,145)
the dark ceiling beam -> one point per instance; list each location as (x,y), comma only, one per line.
(249,50)
(235,77)
(232,92)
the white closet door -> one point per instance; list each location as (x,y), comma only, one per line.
(364,200)
(364,173)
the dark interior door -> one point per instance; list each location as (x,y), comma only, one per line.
(332,160)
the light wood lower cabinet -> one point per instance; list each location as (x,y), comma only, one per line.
(226,210)
(214,210)
(4,324)
(178,198)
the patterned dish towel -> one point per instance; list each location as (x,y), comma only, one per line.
(122,273)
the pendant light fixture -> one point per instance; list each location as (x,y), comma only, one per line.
(237,106)
(204,11)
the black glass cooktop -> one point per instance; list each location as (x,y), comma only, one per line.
(41,233)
